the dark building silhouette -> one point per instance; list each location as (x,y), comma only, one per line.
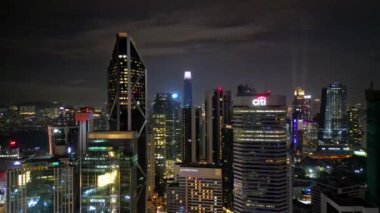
(187,120)
(373,145)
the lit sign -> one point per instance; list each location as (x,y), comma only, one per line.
(189,170)
(259,101)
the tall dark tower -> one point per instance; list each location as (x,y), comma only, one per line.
(126,100)
(218,115)
(187,152)
(373,145)
(219,138)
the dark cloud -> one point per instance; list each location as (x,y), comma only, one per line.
(61,49)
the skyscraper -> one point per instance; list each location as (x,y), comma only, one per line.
(41,184)
(109,173)
(219,137)
(373,145)
(218,114)
(261,154)
(126,99)
(354,129)
(187,117)
(167,136)
(198,188)
(335,126)
(301,110)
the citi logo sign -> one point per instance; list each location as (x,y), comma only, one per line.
(259,101)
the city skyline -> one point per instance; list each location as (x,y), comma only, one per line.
(60,50)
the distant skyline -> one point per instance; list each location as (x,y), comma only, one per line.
(60,50)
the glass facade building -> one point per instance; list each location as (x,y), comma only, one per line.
(109,173)
(41,184)
(261,154)
(167,136)
(335,126)
(126,99)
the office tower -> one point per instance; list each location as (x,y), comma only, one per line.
(63,140)
(322,111)
(338,185)
(100,120)
(175,198)
(167,136)
(218,115)
(41,184)
(227,167)
(126,99)
(354,130)
(309,138)
(85,122)
(300,113)
(198,135)
(373,146)
(109,172)
(335,127)
(197,188)
(187,119)
(219,137)
(261,154)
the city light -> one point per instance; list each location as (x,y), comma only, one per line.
(187,74)
(259,101)
(107,178)
(174,95)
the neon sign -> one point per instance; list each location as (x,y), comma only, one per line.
(259,101)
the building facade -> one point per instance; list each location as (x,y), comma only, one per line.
(126,99)
(373,145)
(108,173)
(41,184)
(197,188)
(167,136)
(261,154)
(335,126)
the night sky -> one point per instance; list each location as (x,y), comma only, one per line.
(60,49)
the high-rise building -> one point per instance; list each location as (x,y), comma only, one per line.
(218,114)
(126,99)
(261,154)
(187,117)
(63,140)
(300,114)
(198,189)
(335,126)
(167,136)
(41,184)
(354,130)
(219,137)
(109,172)
(373,145)
(321,116)
(198,135)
